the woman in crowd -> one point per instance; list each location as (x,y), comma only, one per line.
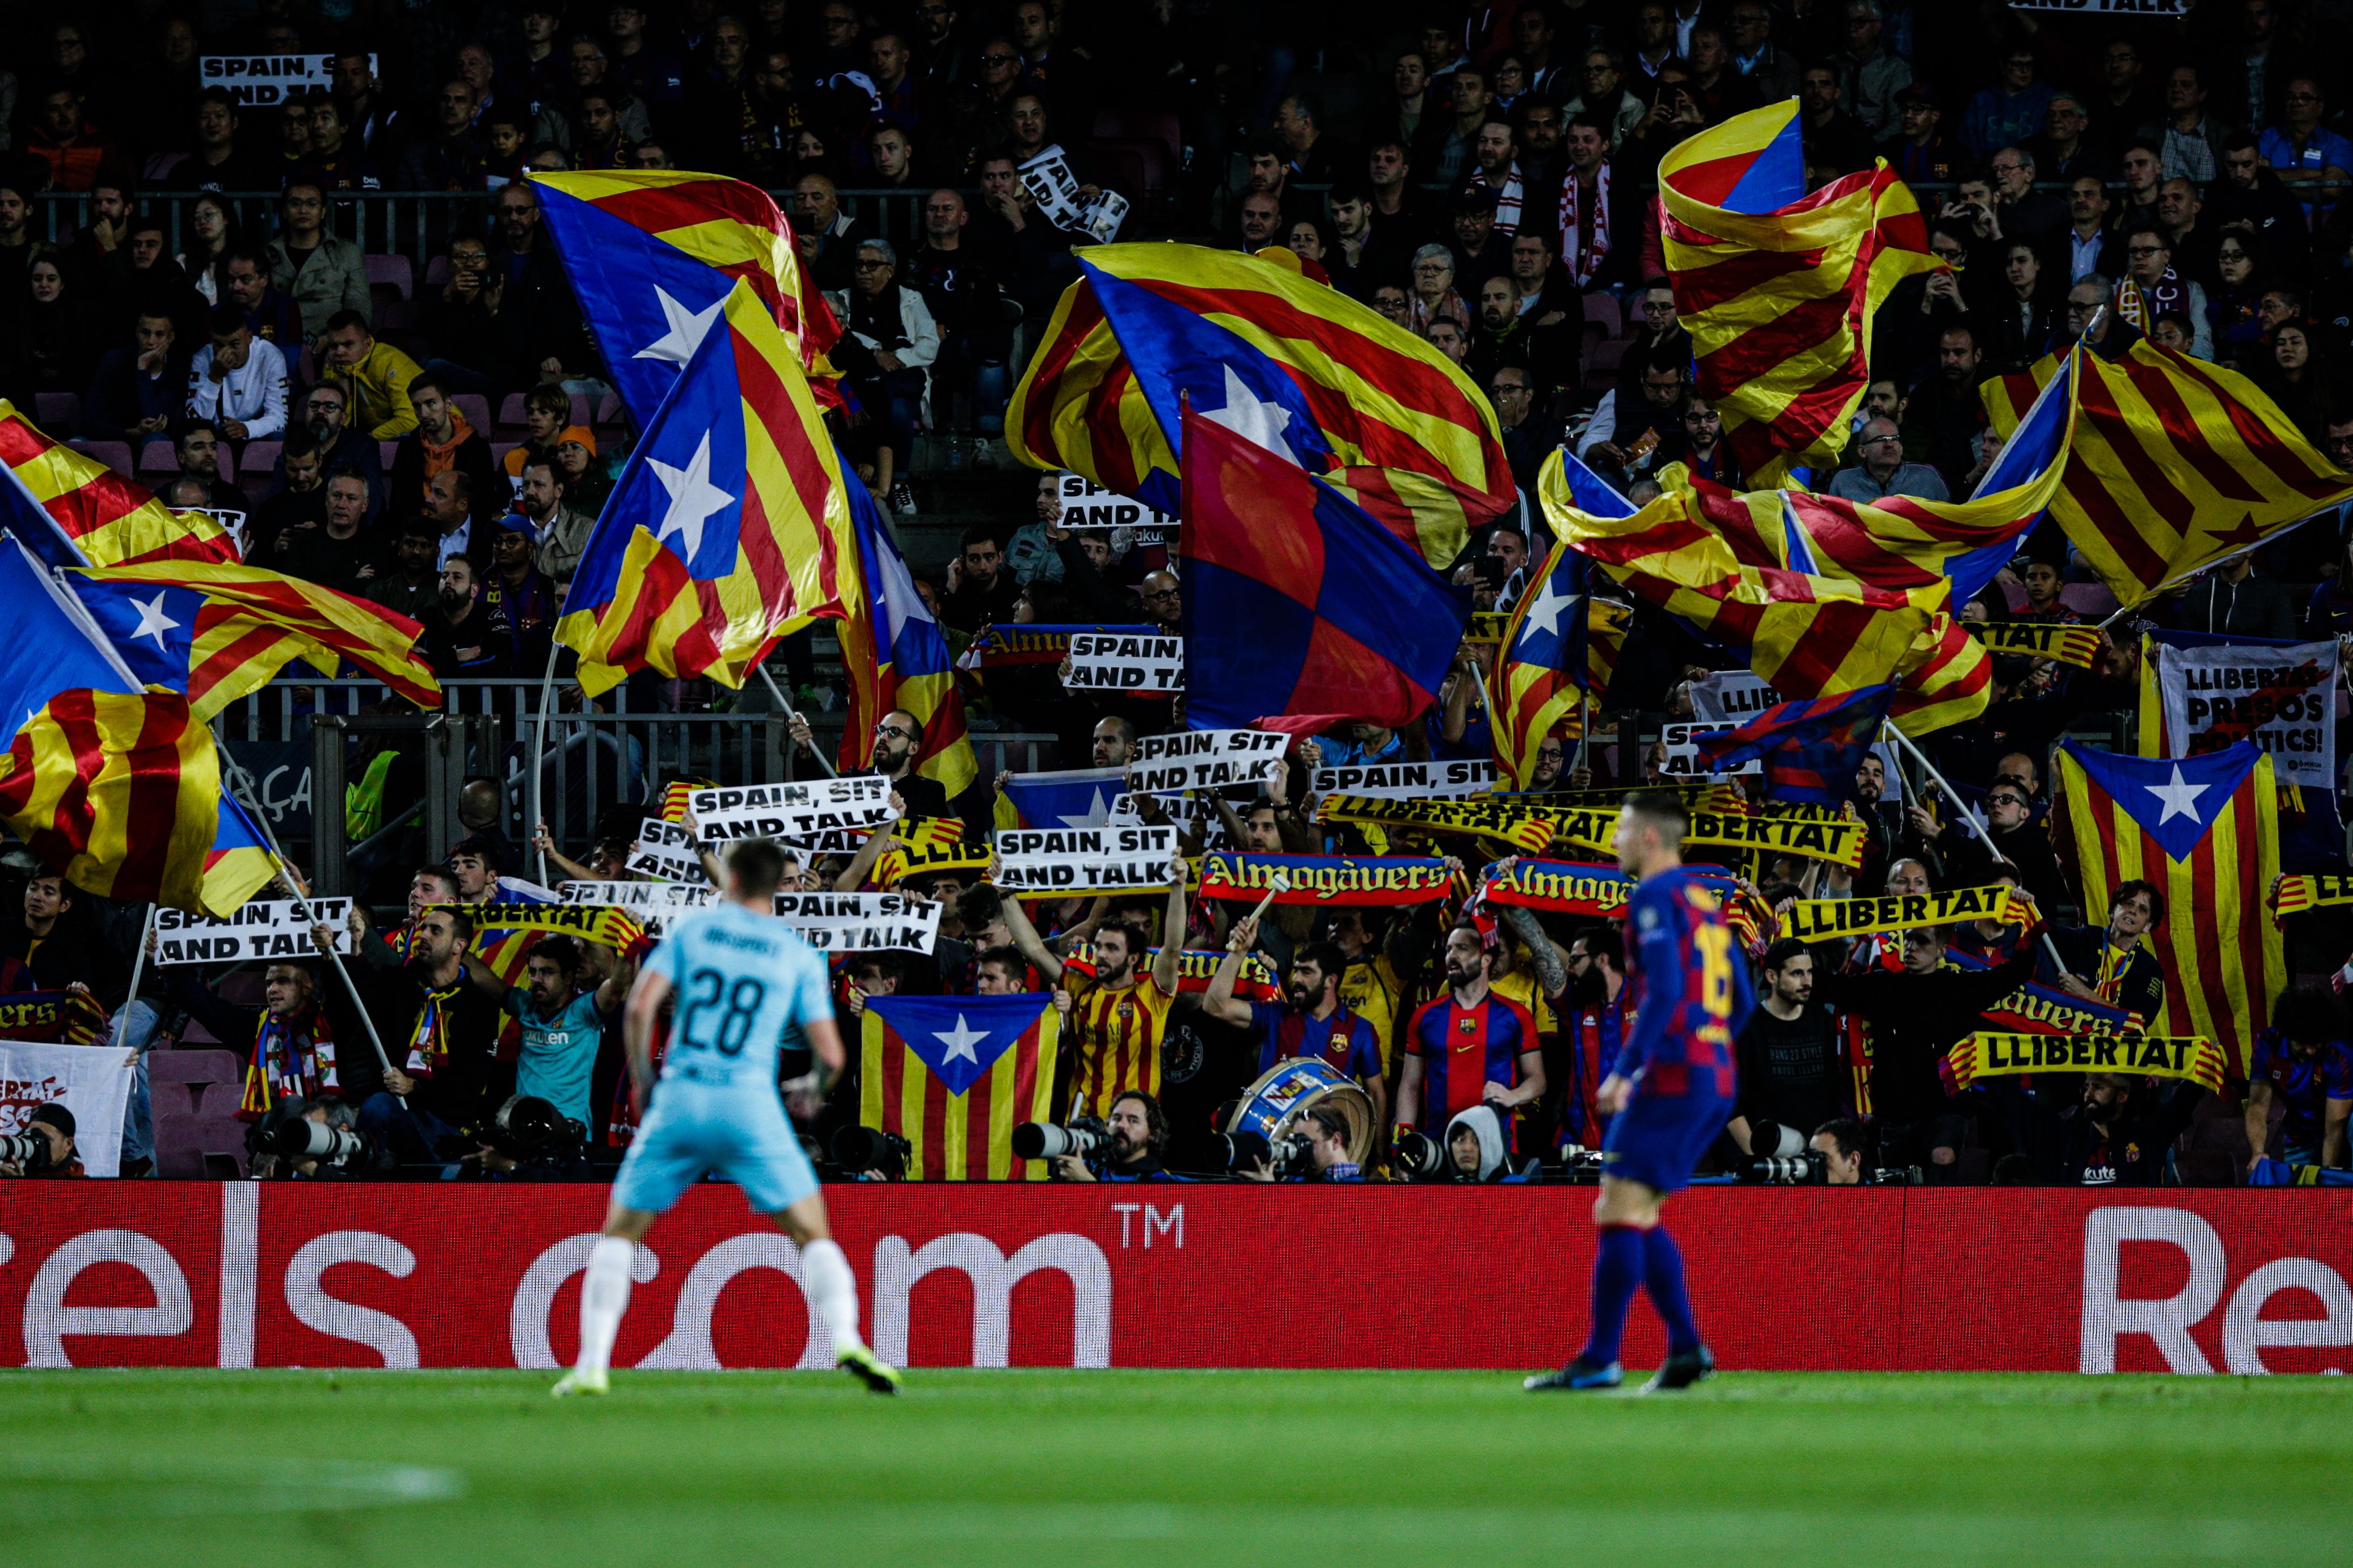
(1433,298)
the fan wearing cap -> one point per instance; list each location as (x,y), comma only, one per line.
(586,482)
(518,597)
(1479,253)
(54,1125)
(1920,151)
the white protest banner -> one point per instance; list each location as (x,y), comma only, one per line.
(655,904)
(1683,761)
(2281,697)
(93,1081)
(1138,666)
(1055,188)
(1083,859)
(2106,7)
(861,922)
(1408,781)
(1734,694)
(793,812)
(666,849)
(1204,759)
(261,81)
(264,929)
(1086,504)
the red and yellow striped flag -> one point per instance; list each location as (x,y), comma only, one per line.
(216,631)
(1778,287)
(2174,463)
(954,1075)
(2205,831)
(111,521)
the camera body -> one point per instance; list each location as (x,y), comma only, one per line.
(1085,1136)
(530,1130)
(287,1133)
(27,1151)
(1291,1157)
(869,1151)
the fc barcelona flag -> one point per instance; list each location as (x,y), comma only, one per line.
(954,1075)
(2205,830)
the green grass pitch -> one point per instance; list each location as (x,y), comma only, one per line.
(1144,1467)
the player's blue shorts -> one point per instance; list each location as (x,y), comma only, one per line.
(1658,1138)
(692,1133)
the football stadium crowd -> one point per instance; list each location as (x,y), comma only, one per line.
(184,291)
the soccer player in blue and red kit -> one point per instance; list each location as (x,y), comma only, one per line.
(1668,1097)
(1468,1047)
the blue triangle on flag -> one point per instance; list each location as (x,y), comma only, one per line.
(1077,797)
(960,1038)
(2174,799)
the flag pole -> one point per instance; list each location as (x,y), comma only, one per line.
(532,802)
(233,780)
(792,716)
(1976,826)
(138,972)
(1584,724)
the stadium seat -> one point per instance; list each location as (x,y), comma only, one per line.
(1602,309)
(159,166)
(158,457)
(395,270)
(512,416)
(194,1095)
(609,411)
(57,411)
(257,465)
(115,455)
(2092,601)
(386,451)
(436,272)
(1156,125)
(476,410)
(388,309)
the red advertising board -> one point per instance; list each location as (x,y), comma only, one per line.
(162,1274)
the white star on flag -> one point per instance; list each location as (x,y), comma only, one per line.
(959,1042)
(686,329)
(693,498)
(153,622)
(1260,423)
(1546,611)
(1095,816)
(2179,796)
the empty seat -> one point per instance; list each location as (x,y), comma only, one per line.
(157,456)
(195,1097)
(115,455)
(476,410)
(513,415)
(388,309)
(395,270)
(1601,310)
(57,411)
(259,459)
(386,451)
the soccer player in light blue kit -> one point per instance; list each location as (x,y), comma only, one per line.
(742,980)
(1669,1095)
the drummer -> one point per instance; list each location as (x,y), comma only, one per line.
(1310,1021)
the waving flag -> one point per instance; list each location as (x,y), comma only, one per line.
(897,657)
(1297,366)
(1540,672)
(729,527)
(1778,287)
(1301,612)
(73,511)
(214,633)
(954,1075)
(115,788)
(1074,797)
(1810,749)
(653,255)
(2204,830)
(2175,464)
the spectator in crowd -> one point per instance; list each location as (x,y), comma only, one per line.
(2017,844)
(1870,73)
(517,596)
(343,555)
(828,236)
(2105,1139)
(2066,152)
(2011,110)
(297,504)
(1311,1020)
(1596,233)
(270,314)
(1788,1053)
(2189,138)
(981,592)
(237,383)
(1836,142)
(563,533)
(55,335)
(2113,963)
(138,390)
(961,284)
(1504,1065)
(197,448)
(442,441)
(1882,470)
(410,583)
(218,162)
(322,273)
(376,375)
(899,340)
(2312,161)
(2252,192)
(1919,150)
(460,639)
(448,1077)
(2238,598)
(542,337)
(453,157)
(326,415)
(2303,1073)
(64,141)
(290,1041)
(334,162)
(2153,287)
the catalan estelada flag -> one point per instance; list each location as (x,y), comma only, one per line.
(215,633)
(1540,672)
(653,253)
(896,657)
(1810,749)
(954,1075)
(1778,287)
(1071,797)
(73,511)
(2174,463)
(1250,342)
(729,527)
(115,788)
(2205,831)
(1301,612)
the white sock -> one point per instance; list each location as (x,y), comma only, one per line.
(604,1297)
(833,1291)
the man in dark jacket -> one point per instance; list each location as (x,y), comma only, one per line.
(2237,600)
(443,1035)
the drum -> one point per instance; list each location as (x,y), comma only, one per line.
(1291,1087)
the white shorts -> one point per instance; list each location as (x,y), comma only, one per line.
(692,1133)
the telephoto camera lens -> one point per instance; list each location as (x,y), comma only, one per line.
(1045,1140)
(1237,1151)
(869,1149)
(1811,1168)
(29,1151)
(1420,1157)
(301,1138)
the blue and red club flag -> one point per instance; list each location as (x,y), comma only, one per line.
(1810,749)
(116,788)
(653,254)
(1540,671)
(1074,797)
(1385,419)
(954,1075)
(1777,286)
(896,656)
(2205,831)
(728,529)
(1301,612)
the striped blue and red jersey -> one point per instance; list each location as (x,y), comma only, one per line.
(1691,989)
(1595,1035)
(1463,1050)
(1344,1040)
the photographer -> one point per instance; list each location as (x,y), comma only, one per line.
(1475,1150)
(1787,1052)
(529,1140)
(1839,1143)
(266,1140)
(54,1125)
(1324,1132)
(1139,1132)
